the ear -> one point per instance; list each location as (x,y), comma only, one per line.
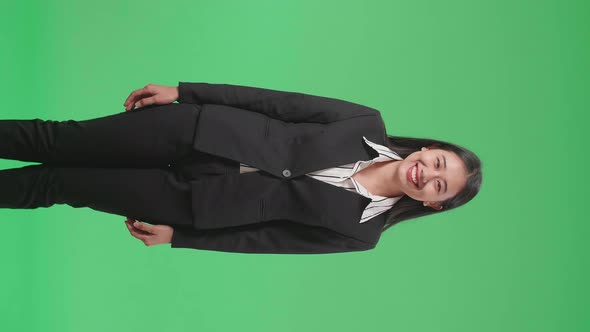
(423,148)
(434,205)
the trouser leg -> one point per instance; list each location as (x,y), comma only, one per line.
(153,195)
(155,135)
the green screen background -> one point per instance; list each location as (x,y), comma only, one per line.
(506,79)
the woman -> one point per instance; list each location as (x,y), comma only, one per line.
(238,169)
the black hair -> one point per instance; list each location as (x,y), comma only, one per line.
(407,207)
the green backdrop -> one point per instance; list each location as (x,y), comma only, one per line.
(507,79)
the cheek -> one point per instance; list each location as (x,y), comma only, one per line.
(433,191)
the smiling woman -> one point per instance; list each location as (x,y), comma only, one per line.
(238,169)
(435,175)
(424,176)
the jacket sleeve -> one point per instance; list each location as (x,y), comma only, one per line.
(272,237)
(284,105)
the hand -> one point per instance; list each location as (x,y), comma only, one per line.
(149,234)
(151,94)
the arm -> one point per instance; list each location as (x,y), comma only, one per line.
(277,236)
(287,106)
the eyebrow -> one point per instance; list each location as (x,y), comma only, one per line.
(446,185)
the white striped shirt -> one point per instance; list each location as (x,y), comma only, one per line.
(342,177)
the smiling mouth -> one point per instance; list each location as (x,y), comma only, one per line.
(413,176)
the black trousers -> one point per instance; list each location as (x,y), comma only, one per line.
(135,164)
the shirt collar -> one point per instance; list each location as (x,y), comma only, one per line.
(385,154)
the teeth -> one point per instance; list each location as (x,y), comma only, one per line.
(414,175)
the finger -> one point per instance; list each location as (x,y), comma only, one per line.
(134,229)
(138,235)
(136,95)
(131,229)
(131,97)
(143,226)
(146,101)
(137,230)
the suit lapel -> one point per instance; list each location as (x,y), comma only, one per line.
(260,196)
(238,199)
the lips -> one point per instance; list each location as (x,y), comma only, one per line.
(409,175)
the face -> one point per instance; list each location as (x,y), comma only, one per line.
(440,175)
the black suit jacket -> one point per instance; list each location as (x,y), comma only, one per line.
(285,135)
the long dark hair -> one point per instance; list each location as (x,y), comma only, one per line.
(407,207)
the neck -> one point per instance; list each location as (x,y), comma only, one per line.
(384,178)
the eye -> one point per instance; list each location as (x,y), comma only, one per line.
(439,186)
(437,163)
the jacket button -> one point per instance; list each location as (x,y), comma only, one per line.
(286,173)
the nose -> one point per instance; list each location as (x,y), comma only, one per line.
(428,175)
